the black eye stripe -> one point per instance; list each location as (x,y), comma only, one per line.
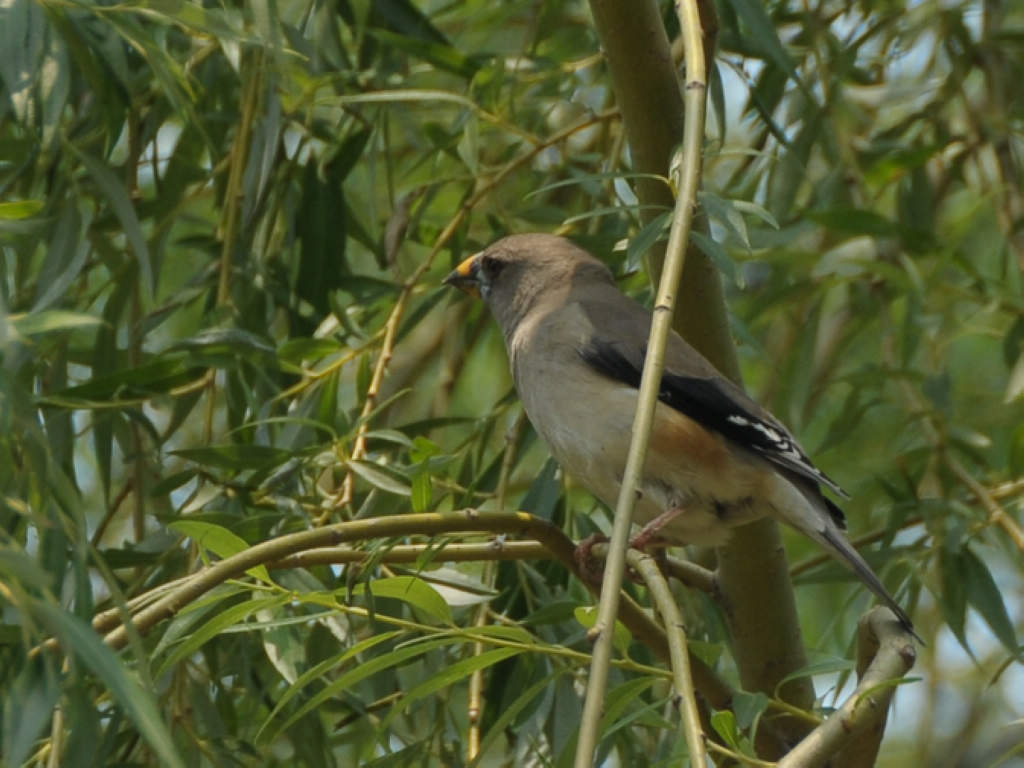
(491,265)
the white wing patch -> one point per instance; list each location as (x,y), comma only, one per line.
(782,446)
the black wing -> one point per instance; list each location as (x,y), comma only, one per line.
(708,402)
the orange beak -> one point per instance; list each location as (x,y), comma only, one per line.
(463,276)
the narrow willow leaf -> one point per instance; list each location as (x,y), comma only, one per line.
(368,669)
(220,541)
(117,196)
(237,456)
(719,256)
(448,675)
(763,35)
(511,712)
(826,667)
(724,724)
(621,637)
(80,638)
(984,594)
(422,492)
(378,477)
(51,320)
(223,620)
(318,672)
(409,589)
(36,688)
(21,209)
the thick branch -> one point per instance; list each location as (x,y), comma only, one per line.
(885,652)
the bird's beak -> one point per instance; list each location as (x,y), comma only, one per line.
(464,278)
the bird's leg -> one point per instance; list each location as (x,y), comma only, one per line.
(649,534)
(585,561)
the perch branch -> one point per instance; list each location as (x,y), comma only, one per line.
(885,653)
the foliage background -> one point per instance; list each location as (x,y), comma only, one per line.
(220,222)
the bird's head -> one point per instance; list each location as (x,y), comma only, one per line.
(517,272)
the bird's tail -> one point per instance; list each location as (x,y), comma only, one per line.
(836,543)
(810,514)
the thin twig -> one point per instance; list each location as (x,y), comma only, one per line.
(475,705)
(739,757)
(488,551)
(996,514)
(672,619)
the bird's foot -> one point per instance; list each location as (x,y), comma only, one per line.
(591,568)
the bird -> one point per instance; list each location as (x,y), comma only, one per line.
(716,459)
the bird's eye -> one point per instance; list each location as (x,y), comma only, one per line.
(491,266)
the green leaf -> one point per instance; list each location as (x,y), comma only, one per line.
(591,178)
(545,491)
(422,492)
(237,456)
(317,672)
(172,482)
(724,724)
(223,620)
(511,712)
(218,540)
(854,221)
(299,350)
(379,477)
(321,228)
(37,691)
(367,669)
(719,256)
(190,16)
(442,56)
(19,568)
(448,675)
(79,638)
(651,233)
(20,209)
(50,320)
(152,377)
(983,593)
(825,667)
(228,340)
(587,616)
(623,699)
(953,597)
(117,197)
(762,35)
(412,590)
(748,708)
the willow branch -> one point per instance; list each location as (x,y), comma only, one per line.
(306,548)
(665,603)
(885,653)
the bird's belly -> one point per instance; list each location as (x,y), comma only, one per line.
(592,446)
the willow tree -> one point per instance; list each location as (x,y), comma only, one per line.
(261,471)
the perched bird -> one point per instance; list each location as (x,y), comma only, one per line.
(716,459)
